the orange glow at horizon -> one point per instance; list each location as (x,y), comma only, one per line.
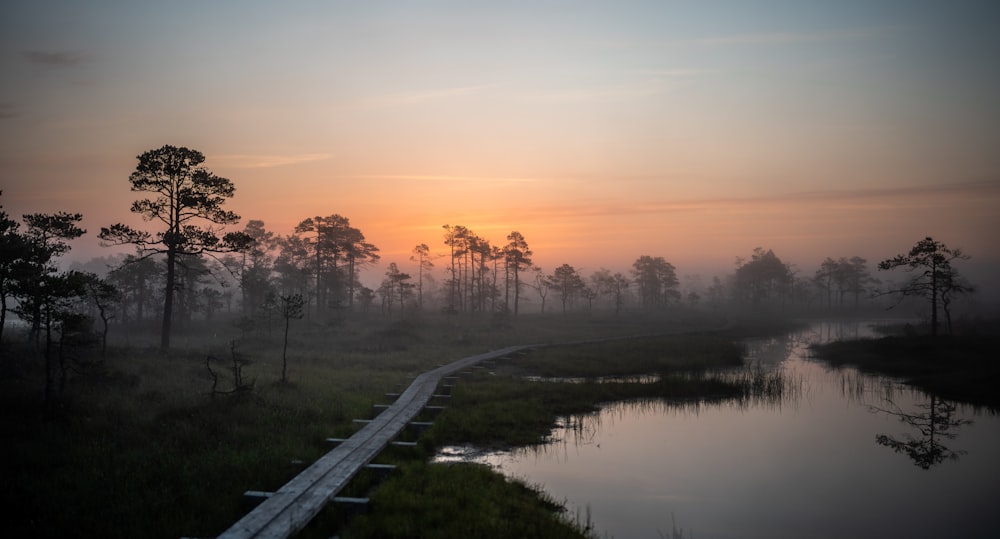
(687,130)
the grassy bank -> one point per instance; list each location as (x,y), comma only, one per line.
(508,408)
(137,445)
(962,368)
(462,500)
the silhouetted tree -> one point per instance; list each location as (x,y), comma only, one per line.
(13,250)
(135,279)
(858,278)
(656,280)
(192,274)
(763,277)
(422,256)
(396,285)
(183,194)
(716,292)
(46,237)
(843,276)
(935,426)
(358,252)
(933,278)
(61,291)
(600,282)
(619,285)
(48,297)
(539,280)
(320,238)
(825,277)
(518,257)
(292,267)
(480,288)
(105,296)
(256,265)
(291,308)
(496,256)
(366,296)
(337,250)
(566,282)
(458,239)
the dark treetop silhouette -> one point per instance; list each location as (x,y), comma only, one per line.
(184,194)
(933,276)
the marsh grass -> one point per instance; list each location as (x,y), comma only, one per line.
(509,408)
(960,368)
(139,448)
(430,501)
(631,357)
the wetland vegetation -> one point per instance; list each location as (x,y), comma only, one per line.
(961,367)
(140,446)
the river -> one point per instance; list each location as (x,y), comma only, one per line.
(844,455)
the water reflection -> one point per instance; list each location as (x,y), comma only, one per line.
(933,419)
(936,424)
(804,466)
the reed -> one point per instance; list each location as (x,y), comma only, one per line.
(960,368)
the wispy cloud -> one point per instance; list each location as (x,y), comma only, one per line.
(783,38)
(398,100)
(266,161)
(875,199)
(55,58)
(445,178)
(677,73)
(600,93)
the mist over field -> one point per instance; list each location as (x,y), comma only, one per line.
(230,231)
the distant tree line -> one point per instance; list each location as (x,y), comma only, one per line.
(188,267)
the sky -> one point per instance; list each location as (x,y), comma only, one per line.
(602,131)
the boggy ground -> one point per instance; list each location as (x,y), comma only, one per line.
(136,446)
(961,367)
(510,406)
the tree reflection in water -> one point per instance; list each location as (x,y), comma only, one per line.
(935,424)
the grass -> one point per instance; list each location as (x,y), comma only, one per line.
(961,367)
(461,500)
(652,355)
(138,447)
(510,409)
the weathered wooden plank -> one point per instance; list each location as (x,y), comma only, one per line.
(292,506)
(348,500)
(404,444)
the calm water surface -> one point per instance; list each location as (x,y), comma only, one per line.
(809,466)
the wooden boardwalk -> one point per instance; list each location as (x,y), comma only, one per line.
(291,507)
